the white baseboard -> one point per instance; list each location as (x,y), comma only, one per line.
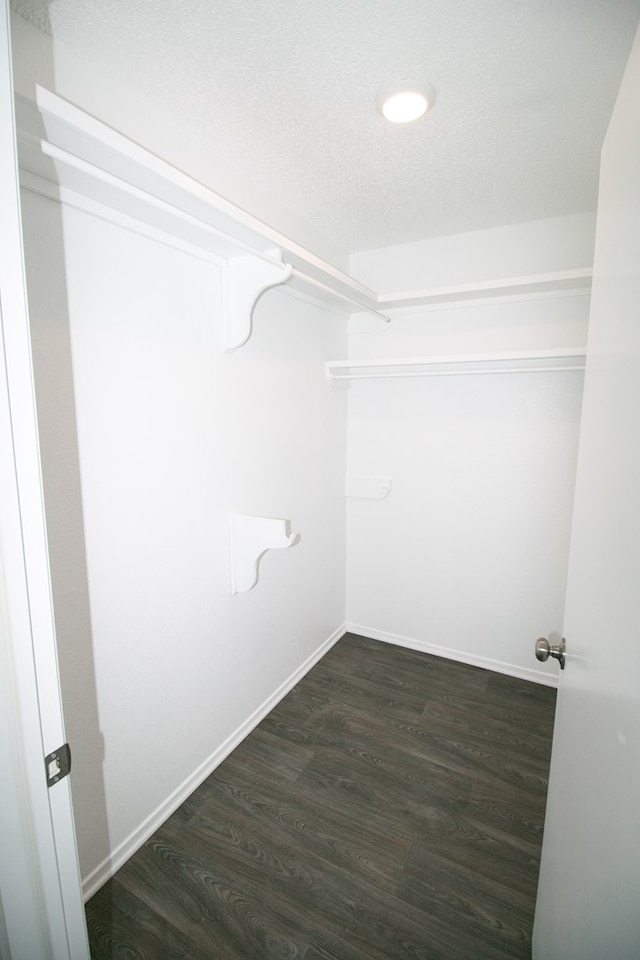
(512,670)
(100,874)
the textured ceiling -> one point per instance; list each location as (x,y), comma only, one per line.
(287,88)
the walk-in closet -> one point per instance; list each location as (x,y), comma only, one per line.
(295,496)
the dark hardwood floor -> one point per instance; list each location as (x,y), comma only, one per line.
(390,807)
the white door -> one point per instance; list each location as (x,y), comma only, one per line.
(41,914)
(589,895)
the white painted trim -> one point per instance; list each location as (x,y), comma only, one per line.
(68,125)
(84,150)
(507,286)
(147,828)
(34,183)
(514,361)
(39,186)
(41,903)
(460,656)
(488,300)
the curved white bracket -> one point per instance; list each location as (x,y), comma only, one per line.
(250,538)
(244,280)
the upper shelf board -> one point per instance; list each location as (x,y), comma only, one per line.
(62,145)
(555,282)
(523,361)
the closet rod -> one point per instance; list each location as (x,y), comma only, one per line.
(337,293)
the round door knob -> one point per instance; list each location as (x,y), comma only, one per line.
(544,650)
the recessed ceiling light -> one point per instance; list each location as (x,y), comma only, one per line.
(405,101)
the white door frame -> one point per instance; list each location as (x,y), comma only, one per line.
(41,912)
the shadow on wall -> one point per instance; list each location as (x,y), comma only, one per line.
(53,372)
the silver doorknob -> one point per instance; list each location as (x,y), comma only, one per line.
(544,650)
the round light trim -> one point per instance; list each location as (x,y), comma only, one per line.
(405,102)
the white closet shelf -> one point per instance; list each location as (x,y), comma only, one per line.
(62,146)
(523,361)
(66,154)
(540,283)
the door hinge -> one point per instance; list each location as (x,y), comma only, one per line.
(58,764)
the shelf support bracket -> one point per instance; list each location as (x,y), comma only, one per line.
(244,280)
(249,539)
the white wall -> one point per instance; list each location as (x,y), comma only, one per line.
(151,437)
(514,250)
(467,557)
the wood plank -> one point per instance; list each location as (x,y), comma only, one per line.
(389,808)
